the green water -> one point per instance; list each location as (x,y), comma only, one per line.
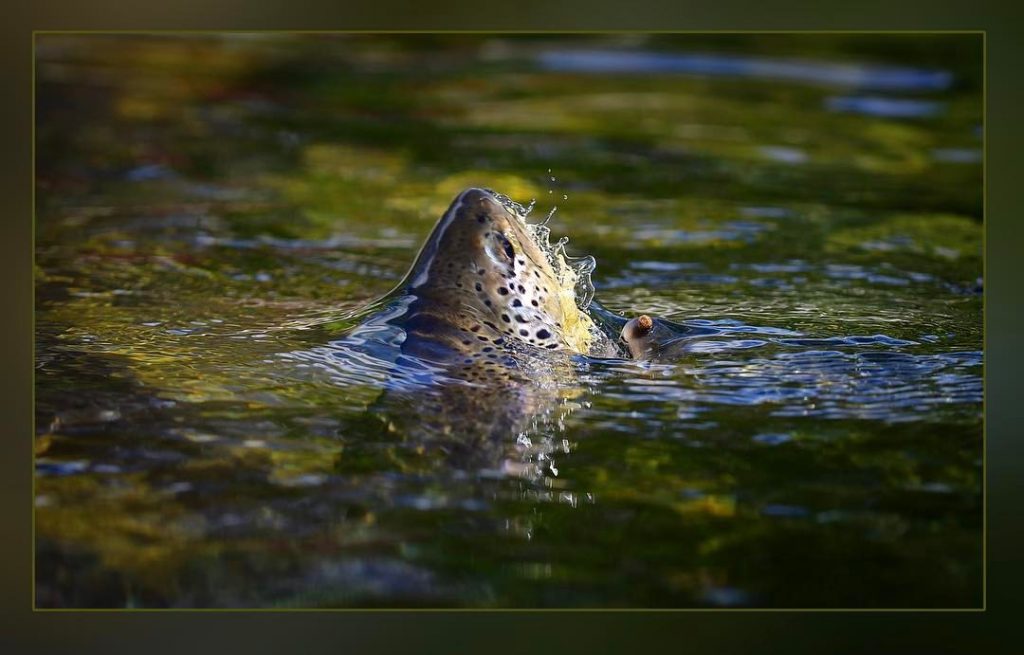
(213,212)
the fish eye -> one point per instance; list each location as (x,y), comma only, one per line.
(500,249)
(506,246)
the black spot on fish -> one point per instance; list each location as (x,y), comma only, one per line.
(479,287)
(523,332)
(543,334)
(551,346)
(503,291)
(505,318)
(533,302)
(522,289)
(520,318)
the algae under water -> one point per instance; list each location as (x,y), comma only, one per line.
(215,211)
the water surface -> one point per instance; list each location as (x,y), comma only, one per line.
(212,214)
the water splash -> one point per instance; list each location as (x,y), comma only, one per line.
(574,276)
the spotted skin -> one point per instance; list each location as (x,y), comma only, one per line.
(481,308)
(470,346)
(484,294)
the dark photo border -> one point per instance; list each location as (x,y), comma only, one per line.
(22,630)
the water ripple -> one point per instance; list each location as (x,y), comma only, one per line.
(881,385)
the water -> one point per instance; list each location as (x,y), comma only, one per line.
(213,214)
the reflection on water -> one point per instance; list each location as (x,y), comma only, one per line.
(893,78)
(888,107)
(216,214)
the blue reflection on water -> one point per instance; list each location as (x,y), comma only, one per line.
(792,70)
(885,107)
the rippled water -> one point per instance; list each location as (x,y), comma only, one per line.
(214,216)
